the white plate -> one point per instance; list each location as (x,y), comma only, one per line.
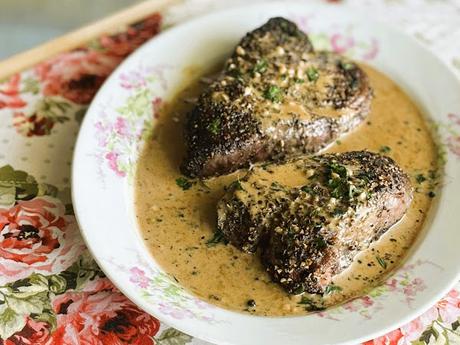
(121,116)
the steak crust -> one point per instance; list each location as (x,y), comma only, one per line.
(310,232)
(275,99)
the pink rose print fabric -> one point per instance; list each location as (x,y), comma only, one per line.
(101,315)
(36,236)
(10,95)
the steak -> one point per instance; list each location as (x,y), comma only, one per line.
(310,217)
(276,98)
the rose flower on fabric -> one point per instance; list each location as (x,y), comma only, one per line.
(101,317)
(10,93)
(36,236)
(124,43)
(76,75)
(33,333)
(32,125)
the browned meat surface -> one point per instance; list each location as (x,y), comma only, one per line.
(275,99)
(310,217)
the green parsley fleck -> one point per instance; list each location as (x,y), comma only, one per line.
(237,74)
(184,183)
(310,305)
(381,262)
(274,94)
(331,288)
(312,74)
(339,188)
(216,239)
(339,211)
(299,80)
(320,243)
(385,149)
(214,126)
(299,290)
(307,189)
(339,169)
(261,66)
(346,65)
(431,194)
(338,142)
(236,185)
(420,178)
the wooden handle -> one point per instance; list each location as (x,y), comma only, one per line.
(79,37)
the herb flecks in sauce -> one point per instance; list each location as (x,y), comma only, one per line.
(381,262)
(420,178)
(216,239)
(184,183)
(261,66)
(331,288)
(274,94)
(347,65)
(385,149)
(312,74)
(218,267)
(310,305)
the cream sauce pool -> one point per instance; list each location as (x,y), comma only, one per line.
(178,225)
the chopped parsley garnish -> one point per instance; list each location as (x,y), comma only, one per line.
(346,65)
(184,183)
(307,189)
(420,178)
(381,262)
(431,194)
(274,94)
(385,149)
(310,305)
(339,169)
(320,243)
(337,181)
(298,290)
(331,288)
(312,74)
(236,73)
(214,126)
(299,80)
(276,186)
(236,185)
(338,211)
(216,239)
(261,66)
(339,188)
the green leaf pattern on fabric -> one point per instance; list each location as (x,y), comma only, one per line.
(10,322)
(172,336)
(32,296)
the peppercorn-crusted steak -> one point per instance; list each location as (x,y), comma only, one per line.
(315,216)
(275,99)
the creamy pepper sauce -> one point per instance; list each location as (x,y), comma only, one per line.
(178,225)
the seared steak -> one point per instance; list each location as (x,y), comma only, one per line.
(310,223)
(275,99)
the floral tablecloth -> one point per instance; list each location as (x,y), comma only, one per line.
(51,290)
